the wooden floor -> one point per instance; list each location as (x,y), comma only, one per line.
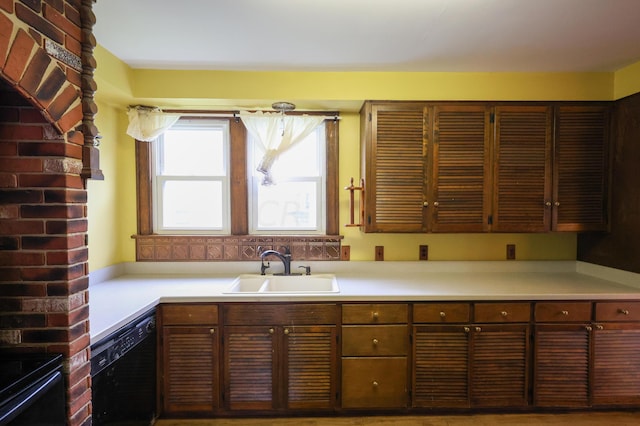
(581,419)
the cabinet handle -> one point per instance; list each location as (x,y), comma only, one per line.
(624,311)
(588,328)
(375,341)
(504,313)
(374,315)
(271,331)
(375,383)
(212,330)
(565,313)
(478,329)
(443,314)
(467,329)
(286,331)
(599,327)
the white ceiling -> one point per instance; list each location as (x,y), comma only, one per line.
(372,35)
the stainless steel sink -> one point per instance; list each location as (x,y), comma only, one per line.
(284,284)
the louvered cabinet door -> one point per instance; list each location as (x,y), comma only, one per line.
(190,371)
(249,367)
(581,185)
(616,364)
(522,169)
(461,169)
(395,168)
(441,366)
(310,367)
(561,365)
(499,365)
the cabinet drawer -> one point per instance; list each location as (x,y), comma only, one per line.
(562,311)
(188,313)
(441,312)
(391,313)
(502,312)
(374,382)
(375,340)
(618,311)
(274,313)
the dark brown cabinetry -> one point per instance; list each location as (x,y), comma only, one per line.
(482,363)
(280,356)
(480,167)
(375,345)
(188,356)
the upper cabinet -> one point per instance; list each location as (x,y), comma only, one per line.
(480,166)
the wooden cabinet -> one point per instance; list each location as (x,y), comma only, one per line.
(482,363)
(616,354)
(188,356)
(280,356)
(481,166)
(375,345)
(562,354)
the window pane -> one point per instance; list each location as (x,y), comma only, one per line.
(287,205)
(193,152)
(189,204)
(300,160)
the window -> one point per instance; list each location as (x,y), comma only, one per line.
(198,179)
(296,203)
(191,185)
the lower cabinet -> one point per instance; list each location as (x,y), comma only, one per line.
(375,346)
(280,356)
(189,358)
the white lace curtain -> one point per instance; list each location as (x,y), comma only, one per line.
(147,123)
(276,133)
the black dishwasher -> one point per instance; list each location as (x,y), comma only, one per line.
(123,374)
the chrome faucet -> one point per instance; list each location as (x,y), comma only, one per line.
(284,257)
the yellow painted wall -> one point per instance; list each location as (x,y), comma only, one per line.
(112,208)
(627,81)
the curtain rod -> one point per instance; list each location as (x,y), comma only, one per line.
(236,114)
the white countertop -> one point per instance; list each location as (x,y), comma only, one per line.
(121,293)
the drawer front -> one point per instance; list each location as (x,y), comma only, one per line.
(502,312)
(562,311)
(441,313)
(273,314)
(371,313)
(374,382)
(188,313)
(618,311)
(375,340)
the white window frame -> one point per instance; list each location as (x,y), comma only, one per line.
(159,181)
(254,180)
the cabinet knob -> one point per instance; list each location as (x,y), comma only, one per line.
(478,329)
(374,315)
(467,329)
(442,314)
(375,341)
(624,311)
(547,203)
(436,204)
(212,330)
(271,331)
(588,328)
(504,313)
(286,331)
(375,383)
(565,313)
(425,204)
(557,203)
(599,327)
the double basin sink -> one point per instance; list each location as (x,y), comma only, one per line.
(284,284)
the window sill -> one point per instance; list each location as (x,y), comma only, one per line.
(171,248)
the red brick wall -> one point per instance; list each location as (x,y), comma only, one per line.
(45,121)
